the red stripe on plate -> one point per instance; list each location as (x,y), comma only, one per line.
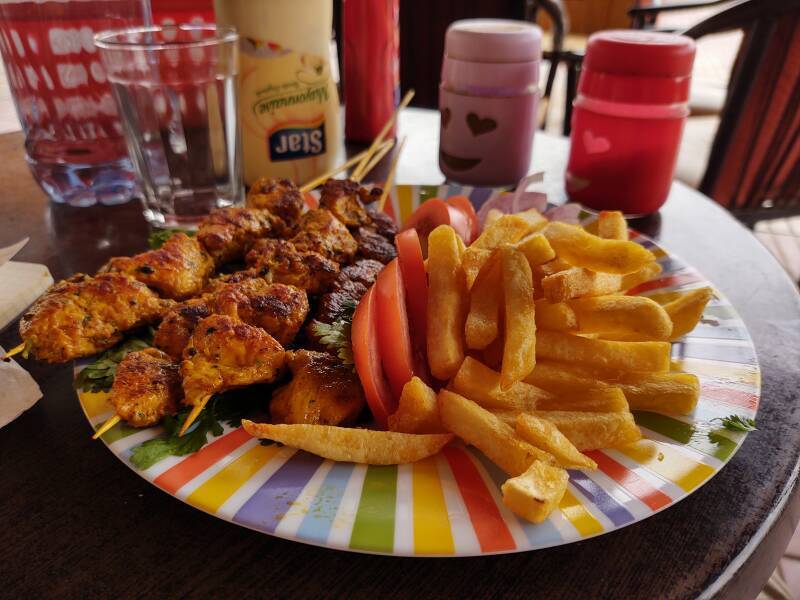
(491,529)
(637,486)
(176,477)
(672,280)
(729,396)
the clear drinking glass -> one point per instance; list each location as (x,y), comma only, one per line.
(176,91)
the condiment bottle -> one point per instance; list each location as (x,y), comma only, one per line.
(371,66)
(487,99)
(288,103)
(628,119)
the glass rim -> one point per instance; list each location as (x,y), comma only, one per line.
(106,40)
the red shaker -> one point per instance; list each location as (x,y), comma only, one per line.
(628,119)
(371,66)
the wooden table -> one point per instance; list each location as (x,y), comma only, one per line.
(75,523)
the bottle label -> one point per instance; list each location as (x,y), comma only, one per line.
(297,141)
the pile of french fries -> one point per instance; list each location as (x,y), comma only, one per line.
(543,353)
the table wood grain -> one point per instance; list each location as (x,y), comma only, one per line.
(75,523)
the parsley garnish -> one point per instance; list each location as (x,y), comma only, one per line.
(228,408)
(99,375)
(336,336)
(738,423)
(157,238)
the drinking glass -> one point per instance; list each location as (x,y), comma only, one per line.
(176,91)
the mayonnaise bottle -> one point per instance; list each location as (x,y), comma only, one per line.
(288,104)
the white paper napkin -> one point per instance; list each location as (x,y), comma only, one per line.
(18,391)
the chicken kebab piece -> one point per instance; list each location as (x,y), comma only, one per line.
(278,309)
(280,261)
(146,388)
(223,354)
(179,269)
(84,315)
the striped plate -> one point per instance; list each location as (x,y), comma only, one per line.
(449,505)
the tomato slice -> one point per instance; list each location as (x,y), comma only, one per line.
(366,354)
(415,279)
(394,336)
(432,213)
(463,204)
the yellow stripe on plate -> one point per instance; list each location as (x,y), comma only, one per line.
(432,534)
(713,369)
(577,514)
(95,403)
(406,201)
(214,492)
(671,464)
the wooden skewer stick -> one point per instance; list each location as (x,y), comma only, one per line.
(106,426)
(196,410)
(383,149)
(390,178)
(382,134)
(325,176)
(13,352)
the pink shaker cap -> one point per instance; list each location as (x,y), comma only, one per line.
(493,41)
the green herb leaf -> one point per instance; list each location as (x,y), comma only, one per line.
(99,375)
(157,238)
(738,423)
(336,336)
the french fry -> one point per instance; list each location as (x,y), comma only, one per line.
(507,229)
(481,384)
(536,249)
(622,314)
(556,316)
(611,225)
(519,349)
(674,393)
(576,282)
(590,399)
(473,261)
(417,411)
(592,431)
(543,434)
(536,220)
(536,493)
(347,444)
(643,275)
(485,299)
(492,216)
(687,310)
(448,303)
(496,439)
(624,356)
(554,266)
(493,353)
(583,249)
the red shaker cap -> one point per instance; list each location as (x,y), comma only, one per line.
(493,41)
(637,67)
(640,53)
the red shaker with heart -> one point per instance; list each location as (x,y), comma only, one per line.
(628,120)
(487,99)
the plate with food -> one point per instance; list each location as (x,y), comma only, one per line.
(496,375)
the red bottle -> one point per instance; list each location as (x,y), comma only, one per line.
(371,66)
(628,120)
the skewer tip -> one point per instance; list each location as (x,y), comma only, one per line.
(106,426)
(13,352)
(192,417)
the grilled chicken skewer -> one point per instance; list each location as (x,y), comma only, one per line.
(223,354)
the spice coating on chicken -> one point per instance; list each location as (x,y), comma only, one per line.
(84,315)
(383,224)
(322,391)
(374,246)
(177,326)
(351,284)
(342,198)
(218,283)
(321,232)
(147,387)
(226,234)
(280,261)
(225,353)
(281,198)
(179,269)
(277,308)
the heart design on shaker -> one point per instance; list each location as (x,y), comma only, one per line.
(594,144)
(480,126)
(445,117)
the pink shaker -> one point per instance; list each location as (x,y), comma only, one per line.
(488,98)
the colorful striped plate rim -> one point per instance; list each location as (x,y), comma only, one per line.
(450,505)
